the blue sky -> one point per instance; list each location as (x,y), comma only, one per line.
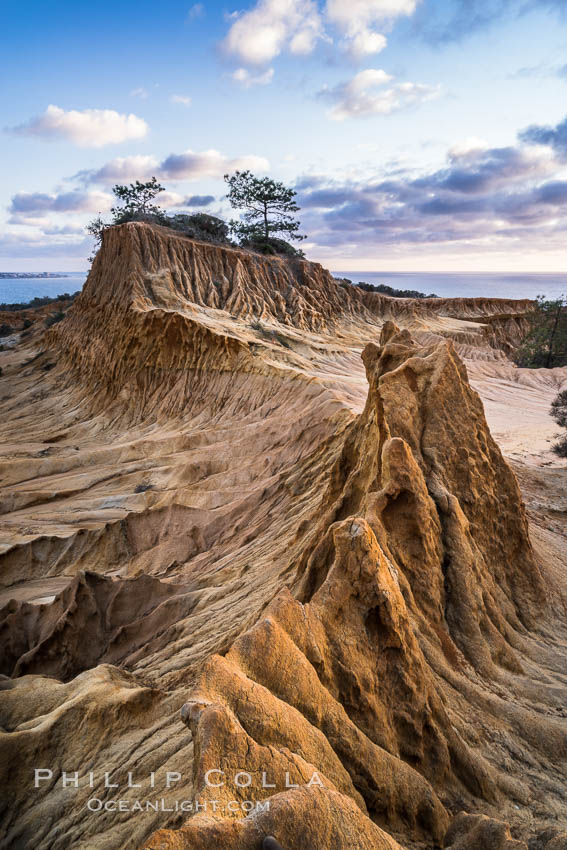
(424,135)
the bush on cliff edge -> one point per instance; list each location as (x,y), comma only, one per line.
(559,413)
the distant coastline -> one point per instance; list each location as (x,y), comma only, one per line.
(24,289)
(27,275)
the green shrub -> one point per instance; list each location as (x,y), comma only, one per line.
(558,412)
(272,246)
(37,302)
(133,215)
(384,289)
(202,226)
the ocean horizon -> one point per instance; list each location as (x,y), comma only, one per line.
(468,284)
(18,290)
(443,284)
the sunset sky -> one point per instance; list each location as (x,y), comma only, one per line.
(420,136)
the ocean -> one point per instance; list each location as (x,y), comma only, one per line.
(444,284)
(17,290)
(468,284)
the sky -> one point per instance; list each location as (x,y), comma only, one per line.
(420,135)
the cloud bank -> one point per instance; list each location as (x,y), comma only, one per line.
(189,165)
(553,137)
(39,203)
(489,197)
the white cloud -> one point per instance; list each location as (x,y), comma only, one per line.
(345,13)
(247,79)
(87,128)
(257,36)
(270,27)
(170,199)
(365,95)
(356,21)
(192,165)
(365,42)
(183,99)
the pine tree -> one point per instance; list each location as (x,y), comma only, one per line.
(545,345)
(137,201)
(267,207)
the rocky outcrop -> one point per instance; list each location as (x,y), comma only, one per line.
(504,321)
(402,578)
(146,311)
(285,563)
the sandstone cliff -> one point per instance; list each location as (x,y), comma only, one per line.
(256,521)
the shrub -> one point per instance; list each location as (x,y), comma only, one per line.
(207,228)
(141,488)
(137,215)
(272,246)
(384,289)
(5,329)
(27,324)
(559,408)
(558,412)
(37,302)
(53,318)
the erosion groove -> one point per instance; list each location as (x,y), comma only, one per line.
(255,520)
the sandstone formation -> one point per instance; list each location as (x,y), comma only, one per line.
(255,522)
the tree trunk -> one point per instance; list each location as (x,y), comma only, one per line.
(552,337)
(266,229)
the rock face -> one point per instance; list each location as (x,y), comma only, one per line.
(305,591)
(119,617)
(504,322)
(404,575)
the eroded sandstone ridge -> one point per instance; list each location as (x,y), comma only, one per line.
(255,521)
